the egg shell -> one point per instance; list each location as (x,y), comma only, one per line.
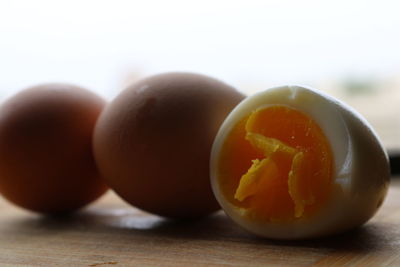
(46,158)
(152,143)
(361,175)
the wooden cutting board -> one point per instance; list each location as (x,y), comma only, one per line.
(111,233)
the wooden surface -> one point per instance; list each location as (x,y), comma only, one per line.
(111,233)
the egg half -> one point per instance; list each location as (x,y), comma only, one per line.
(294,163)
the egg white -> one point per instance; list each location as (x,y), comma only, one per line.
(361,168)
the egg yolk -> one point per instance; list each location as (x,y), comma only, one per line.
(276,165)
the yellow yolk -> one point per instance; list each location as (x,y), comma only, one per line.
(276,164)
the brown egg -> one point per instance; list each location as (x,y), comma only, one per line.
(46,159)
(152,143)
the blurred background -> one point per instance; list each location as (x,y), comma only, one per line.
(349,49)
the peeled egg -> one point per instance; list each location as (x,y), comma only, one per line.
(152,143)
(294,163)
(46,158)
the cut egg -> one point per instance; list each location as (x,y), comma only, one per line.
(294,163)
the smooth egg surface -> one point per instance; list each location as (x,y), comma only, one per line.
(152,143)
(46,158)
(294,163)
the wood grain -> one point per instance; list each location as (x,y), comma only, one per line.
(111,233)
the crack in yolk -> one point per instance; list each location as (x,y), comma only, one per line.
(277,165)
(266,169)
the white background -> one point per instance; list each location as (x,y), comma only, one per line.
(105,45)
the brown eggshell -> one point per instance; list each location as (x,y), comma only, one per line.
(46,159)
(152,143)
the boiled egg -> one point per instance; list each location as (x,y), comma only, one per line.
(46,158)
(152,143)
(294,163)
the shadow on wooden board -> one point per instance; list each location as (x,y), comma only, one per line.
(138,227)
